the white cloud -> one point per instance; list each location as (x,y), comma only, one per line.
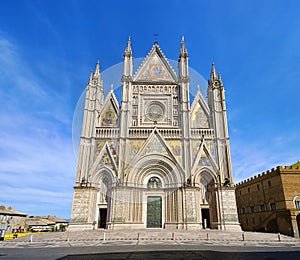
(37,160)
(251,157)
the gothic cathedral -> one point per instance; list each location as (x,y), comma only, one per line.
(155,160)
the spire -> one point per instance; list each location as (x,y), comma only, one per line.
(215,78)
(128,65)
(97,71)
(183,51)
(183,66)
(213,73)
(182,42)
(128,50)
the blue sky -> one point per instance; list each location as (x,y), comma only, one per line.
(47,49)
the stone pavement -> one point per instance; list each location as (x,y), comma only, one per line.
(103,237)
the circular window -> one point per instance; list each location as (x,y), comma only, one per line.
(155,111)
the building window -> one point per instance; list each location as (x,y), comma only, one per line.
(249,189)
(272,206)
(297,202)
(154,182)
(240,192)
(252,209)
(243,210)
(262,207)
(258,187)
(269,183)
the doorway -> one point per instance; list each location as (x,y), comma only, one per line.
(102,218)
(205,218)
(154,212)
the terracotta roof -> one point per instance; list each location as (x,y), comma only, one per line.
(38,222)
(44,220)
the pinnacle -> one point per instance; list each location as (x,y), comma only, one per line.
(97,69)
(128,50)
(183,50)
(213,73)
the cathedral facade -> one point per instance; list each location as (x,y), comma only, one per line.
(156,160)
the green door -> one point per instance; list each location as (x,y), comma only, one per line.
(154,211)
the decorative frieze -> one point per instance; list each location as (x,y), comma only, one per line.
(155,89)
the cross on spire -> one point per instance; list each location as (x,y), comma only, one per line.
(155,38)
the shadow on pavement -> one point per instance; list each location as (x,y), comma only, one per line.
(191,255)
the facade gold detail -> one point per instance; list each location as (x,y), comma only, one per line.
(155,160)
(270,201)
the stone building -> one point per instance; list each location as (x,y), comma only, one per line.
(271,201)
(156,160)
(11,220)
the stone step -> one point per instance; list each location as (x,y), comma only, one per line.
(217,235)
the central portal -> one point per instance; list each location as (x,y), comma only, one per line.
(154,212)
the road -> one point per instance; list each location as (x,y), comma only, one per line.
(180,251)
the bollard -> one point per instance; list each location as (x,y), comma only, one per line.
(138,238)
(68,239)
(207,236)
(30,238)
(279,237)
(243,237)
(103,236)
(173,236)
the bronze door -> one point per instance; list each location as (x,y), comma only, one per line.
(154,212)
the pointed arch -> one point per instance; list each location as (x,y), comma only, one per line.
(101,173)
(206,174)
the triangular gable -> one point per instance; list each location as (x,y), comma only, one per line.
(199,112)
(104,158)
(109,113)
(155,67)
(112,144)
(155,144)
(204,159)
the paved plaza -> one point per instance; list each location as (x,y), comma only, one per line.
(152,244)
